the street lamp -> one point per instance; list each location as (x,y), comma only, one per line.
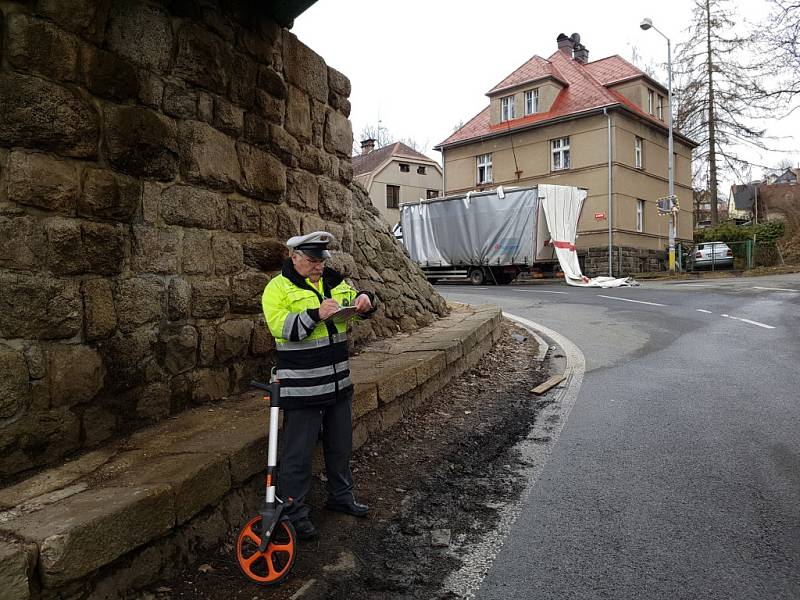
(645,25)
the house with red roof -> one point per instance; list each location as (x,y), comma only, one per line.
(394,174)
(602,125)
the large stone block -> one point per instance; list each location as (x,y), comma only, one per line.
(303,190)
(84,17)
(264,254)
(263,342)
(155,249)
(243,216)
(203,58)
(75,247)
(91,529)
(46,116)
(228,118)
(233,339)
(208,156)
(256,129)
(100,319)
(17,562)
(52,308)
(141,142)
(270,107)
(139,301)
(98,424)
(271,82)
(33,44)
(42,181)
(108,195)
(338,134)
(142,33)
(179,348)
(106,75)
(298,115)
(246,290)
(284,146)
(279,221)
(179,101)
(75,373)
(193,207)
(335,200)
(207,385)
(228,257)
(197,258)
(13,381)
(305,68)
(179,293)
(243,85)
(210,298)
(153,402)
(22,243)
(264,175)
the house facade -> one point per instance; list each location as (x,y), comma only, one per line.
(601,125)
(394,174)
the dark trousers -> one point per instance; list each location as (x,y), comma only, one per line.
(300,434)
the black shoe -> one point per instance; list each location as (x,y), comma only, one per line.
(305,529)
(351,508)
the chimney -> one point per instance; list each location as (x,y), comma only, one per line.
(367,146)
(580,53)
(565,43)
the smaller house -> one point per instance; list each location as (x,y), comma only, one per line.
(394,174)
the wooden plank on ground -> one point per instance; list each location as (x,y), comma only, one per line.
(550,383)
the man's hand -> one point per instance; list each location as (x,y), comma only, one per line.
(327,308)
(362,304)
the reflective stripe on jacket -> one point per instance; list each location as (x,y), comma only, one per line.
(312,354)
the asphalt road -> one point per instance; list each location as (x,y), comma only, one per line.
(677,474)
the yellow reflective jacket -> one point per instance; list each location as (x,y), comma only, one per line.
(312,365)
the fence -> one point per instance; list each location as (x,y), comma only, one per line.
(746,254)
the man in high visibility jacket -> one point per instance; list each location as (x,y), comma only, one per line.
(316,389)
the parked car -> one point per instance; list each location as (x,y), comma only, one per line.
(712,255)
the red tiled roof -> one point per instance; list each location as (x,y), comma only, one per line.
(535,68)
(585,90)
(366,163)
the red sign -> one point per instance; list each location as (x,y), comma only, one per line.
(600,216)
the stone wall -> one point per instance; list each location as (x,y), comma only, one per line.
(152,162)
(624,261)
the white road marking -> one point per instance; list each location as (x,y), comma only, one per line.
(703,310)
(629,300)
(749,321)
(540,291)
(757,287)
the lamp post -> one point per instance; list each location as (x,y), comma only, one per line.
(645,25)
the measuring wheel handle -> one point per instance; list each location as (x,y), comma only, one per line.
(266,546)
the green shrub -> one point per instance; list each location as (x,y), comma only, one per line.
(765,233)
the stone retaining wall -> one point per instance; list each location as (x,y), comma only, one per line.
(624,261)
(139,509)
(152,162)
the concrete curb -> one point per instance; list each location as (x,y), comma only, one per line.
(121,517)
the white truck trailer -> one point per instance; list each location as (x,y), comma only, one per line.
(489,237)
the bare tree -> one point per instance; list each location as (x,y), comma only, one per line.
(780,34)
(383,137)
(720,94)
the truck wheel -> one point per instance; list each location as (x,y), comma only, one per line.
(476,276)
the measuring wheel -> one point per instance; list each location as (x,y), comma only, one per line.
(273,565)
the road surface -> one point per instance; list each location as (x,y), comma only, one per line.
(677,474)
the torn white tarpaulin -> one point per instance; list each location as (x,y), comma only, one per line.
(562,207)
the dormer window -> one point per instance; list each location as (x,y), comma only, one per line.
(660,107)
(507,108)
(650,102)
(531,101)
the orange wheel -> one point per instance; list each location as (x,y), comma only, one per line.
(272,566)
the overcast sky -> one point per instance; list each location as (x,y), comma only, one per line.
(423,67)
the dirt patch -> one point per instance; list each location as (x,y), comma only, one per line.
(434,482)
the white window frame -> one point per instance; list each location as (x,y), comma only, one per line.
(650,98)
(559,154)
(506,108)
(638,154)
(484,168)
(531,101)
(639,215)
(660,107)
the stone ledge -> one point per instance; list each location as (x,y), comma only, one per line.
(195,476)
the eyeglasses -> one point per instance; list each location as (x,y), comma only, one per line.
(311,259)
